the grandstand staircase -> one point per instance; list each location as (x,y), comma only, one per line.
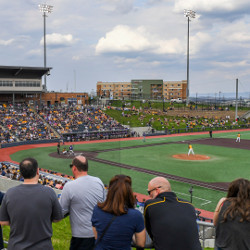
(51,129)
(246,115)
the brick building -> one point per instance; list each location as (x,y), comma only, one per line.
(55,98)
(142,89)
(114,90)
(175,89)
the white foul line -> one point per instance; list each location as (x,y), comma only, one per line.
(202,204)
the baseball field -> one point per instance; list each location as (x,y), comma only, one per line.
(217,162)
(209,176)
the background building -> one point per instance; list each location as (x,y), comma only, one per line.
(114,90)
(142,89)
(175,89)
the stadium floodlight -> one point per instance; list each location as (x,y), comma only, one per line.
(45,9)
(189,14)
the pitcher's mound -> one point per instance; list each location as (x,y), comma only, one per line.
(191,157)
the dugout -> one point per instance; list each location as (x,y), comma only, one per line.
(17,83)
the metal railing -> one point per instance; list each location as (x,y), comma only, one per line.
(206,234)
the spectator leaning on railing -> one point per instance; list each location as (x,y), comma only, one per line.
(115,220)
(170,221)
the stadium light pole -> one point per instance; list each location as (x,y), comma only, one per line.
(189,14)
(45,9)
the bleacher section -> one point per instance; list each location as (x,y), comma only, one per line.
(69,123)
(22,125)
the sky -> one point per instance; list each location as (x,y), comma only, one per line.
(121,40)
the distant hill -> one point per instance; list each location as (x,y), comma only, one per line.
(241,95)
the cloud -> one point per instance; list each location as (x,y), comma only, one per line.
(124,39)
(128,41)
(211,5)
(120,6)
(243,63)
(239,37)
(76,58)
(35,52)
(58,40)
(237,32)
(199,40)
(172,46)
(6,42)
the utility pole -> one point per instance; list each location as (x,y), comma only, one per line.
(236,102)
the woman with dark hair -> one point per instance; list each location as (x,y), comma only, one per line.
(115,220)
(232,217)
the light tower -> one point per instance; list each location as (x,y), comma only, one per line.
(189,14)
(45,9)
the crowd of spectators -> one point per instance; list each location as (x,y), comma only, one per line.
(70,122)
(46,177)
(151,117)
(75,123)
(79,119)
(10,171)
(22,124)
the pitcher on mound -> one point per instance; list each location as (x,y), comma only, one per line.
(190,149)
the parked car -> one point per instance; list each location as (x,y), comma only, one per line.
(178,100)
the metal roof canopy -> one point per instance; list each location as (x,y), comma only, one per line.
(22,72)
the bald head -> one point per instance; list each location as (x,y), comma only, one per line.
(81,158)
(160,182)
(81,163)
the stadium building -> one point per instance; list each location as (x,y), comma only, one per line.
(20,84)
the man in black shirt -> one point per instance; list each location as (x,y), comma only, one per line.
(170,221)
